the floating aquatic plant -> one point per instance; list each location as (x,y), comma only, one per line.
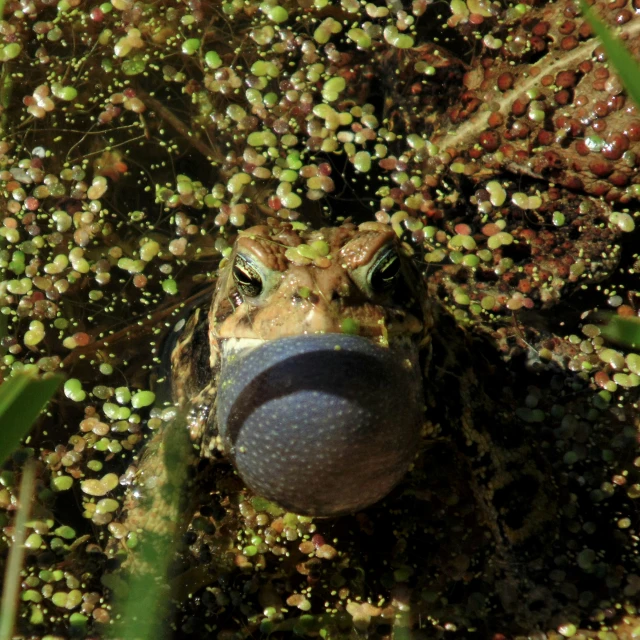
(137,138)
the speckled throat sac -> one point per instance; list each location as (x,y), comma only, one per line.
(322,425)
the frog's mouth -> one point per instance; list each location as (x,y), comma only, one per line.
(322,424)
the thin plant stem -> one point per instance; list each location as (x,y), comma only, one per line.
(16,553)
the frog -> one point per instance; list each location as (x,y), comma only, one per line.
(305,368)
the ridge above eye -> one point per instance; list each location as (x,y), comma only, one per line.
(247,277)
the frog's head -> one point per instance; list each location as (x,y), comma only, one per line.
(317,335)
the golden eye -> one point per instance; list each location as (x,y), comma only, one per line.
(384,273)
(247,278)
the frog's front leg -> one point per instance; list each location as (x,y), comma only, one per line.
(200,422)
(164,491)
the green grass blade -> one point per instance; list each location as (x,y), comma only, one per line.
(622,331)
(625,64)
(12,579)
(142,605)
(22,398)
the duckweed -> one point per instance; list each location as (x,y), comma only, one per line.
(293,105)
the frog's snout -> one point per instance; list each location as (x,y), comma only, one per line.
(323,424)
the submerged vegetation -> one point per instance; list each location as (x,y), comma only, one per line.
(496,140)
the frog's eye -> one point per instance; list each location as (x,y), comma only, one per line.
(246,277)
(385,271)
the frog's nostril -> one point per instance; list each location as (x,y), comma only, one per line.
(322,424)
